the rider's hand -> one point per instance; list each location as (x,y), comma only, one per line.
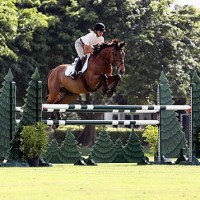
(96,50)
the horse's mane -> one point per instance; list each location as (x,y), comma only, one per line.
(113,43)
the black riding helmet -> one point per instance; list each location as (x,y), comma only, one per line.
(99,27)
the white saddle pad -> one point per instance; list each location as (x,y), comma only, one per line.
(71,67)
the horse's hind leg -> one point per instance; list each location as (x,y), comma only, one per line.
(53,97)
(54,86)
(68,98)
(55,93)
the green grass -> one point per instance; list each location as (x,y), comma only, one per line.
(101,182)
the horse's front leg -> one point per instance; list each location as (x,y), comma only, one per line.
(113,81)
(105,83)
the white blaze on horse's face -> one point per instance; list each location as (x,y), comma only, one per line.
(118,58)
(121,68)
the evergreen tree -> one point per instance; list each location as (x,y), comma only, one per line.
(52,152)
(69,150)
(32,109)
(119,152)
(133,151)
(31,113)
(172,136)
(103,150)
(7,113)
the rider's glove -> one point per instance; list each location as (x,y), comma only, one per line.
(96,50)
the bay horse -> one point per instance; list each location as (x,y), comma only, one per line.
(63,90)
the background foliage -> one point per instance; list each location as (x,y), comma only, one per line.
(41,33)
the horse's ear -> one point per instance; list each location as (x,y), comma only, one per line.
(122,44)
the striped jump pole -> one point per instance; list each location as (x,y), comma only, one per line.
(18,109)
(110,108)
(101,122)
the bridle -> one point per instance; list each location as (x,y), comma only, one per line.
(116,60)
(113,63)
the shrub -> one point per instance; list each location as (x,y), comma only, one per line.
(34,140)
(150,135)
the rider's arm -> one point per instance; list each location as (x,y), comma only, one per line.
(87,49)
(89,40)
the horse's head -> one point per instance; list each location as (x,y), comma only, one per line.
(117,58)
(114,52)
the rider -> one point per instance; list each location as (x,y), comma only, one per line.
(84,45)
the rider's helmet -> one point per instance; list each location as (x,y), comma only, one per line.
(99,27)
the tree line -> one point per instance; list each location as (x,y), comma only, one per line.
(41,33)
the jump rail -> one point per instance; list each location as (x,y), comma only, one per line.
(110,108)
(101,122)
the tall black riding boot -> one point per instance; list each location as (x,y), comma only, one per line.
(78,67)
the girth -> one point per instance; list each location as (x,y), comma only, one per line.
(87,87)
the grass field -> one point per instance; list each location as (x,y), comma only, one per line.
(101,182)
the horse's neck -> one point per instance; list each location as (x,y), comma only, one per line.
(106,54)
(97,66)
(100,62)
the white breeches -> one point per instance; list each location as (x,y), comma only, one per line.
(79,48)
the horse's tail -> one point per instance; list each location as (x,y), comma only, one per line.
(47,88)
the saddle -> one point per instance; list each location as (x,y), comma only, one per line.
(71,67)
